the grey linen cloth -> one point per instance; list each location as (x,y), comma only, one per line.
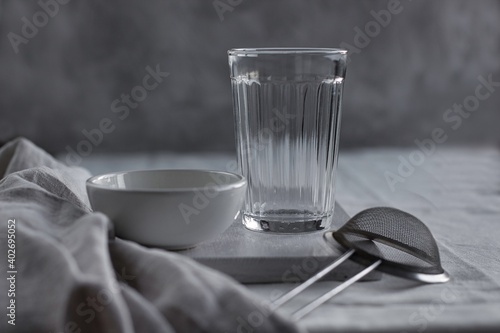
(73,276)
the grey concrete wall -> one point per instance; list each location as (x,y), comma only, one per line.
(63,77)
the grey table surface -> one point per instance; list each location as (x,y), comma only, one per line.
(456,192)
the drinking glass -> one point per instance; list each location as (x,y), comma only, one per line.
(287,104)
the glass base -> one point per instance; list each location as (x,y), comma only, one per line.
(286,222)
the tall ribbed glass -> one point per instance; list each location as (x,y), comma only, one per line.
(287,106)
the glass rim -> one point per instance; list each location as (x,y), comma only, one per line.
(244,52)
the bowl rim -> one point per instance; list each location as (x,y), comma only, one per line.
(238,183)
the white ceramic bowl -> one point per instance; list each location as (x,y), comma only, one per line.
(174,209)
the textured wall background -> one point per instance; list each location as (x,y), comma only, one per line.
(65,77)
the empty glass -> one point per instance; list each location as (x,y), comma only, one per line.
(287,105)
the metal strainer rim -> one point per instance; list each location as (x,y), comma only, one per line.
(391,269)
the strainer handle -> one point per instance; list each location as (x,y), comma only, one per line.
(294,292)
(322,299)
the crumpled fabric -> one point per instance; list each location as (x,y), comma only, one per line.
(73,275)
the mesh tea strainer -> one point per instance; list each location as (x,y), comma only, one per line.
(385,238)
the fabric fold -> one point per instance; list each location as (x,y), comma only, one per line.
(72,277)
